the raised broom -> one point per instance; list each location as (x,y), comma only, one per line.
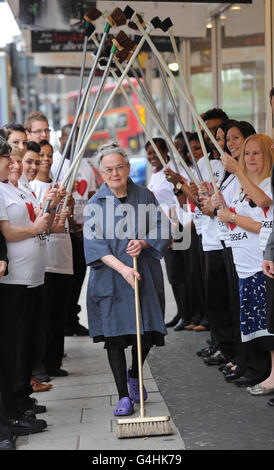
(143,425)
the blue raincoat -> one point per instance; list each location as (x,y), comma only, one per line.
(110,298)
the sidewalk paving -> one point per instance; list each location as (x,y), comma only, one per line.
(80,406)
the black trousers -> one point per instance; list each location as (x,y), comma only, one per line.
(257,359)
(40,326)
(56,299)
(197,287)
(8,408)
(17,331)
(175,268)
(79,270)
(4,430)
(218,302)
(234,299)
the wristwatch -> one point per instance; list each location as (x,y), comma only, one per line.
(178,189)
(232,220)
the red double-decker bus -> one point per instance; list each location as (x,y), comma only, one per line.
(118,123)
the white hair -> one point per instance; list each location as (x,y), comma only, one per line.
(108,149)
(15,150)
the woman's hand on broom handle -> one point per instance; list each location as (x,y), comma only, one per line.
(135,247)
(129,274)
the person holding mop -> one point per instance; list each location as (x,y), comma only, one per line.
(111,240)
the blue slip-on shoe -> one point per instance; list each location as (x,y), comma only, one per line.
(125,407)
(134,388)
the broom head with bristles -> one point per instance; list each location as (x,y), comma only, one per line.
(117,18)
(156,22)
(124,40)
(124,55)
(92,14)
(131,24)
(142,427)
(128,12)
(89,30)
(166,24)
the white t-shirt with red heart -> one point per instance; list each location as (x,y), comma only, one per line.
(210,239)
(162,190)
(184,214)
(228,189)
(59,247)
(85,184)
(194,210)
(27,258)
(247,254)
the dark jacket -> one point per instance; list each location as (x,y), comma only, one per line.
(269,250)
(110,299)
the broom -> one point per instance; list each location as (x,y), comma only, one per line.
(143,425)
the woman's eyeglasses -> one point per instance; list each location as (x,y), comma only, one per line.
(118,168)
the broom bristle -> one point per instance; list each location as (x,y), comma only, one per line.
(128,11)
(140,429)
(166,24)
(156,22)
(89,30)
(141,19)
(133,25)
(92,14)
(123,55)
(117,18)
(106,52)
(124,41)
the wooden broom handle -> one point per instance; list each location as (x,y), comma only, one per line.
(139,344)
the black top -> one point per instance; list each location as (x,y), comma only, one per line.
(123,199)
(3,251)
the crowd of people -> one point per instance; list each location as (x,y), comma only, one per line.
(42,269)
(225,285)
(222,279)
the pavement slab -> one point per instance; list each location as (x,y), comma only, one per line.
(80,407)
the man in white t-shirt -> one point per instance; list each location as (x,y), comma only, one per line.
(37,127)
(85,188)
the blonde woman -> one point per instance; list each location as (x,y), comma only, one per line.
(245,217)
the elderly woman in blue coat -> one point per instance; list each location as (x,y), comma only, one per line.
(123,220)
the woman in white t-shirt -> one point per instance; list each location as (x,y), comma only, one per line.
(15,134)
(245,218)
(163,191)
(59,270)
(4,172)
(24,229)
(187,198)
(11,409)
(31,164)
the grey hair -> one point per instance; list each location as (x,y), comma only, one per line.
(15,150)
(109,148)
